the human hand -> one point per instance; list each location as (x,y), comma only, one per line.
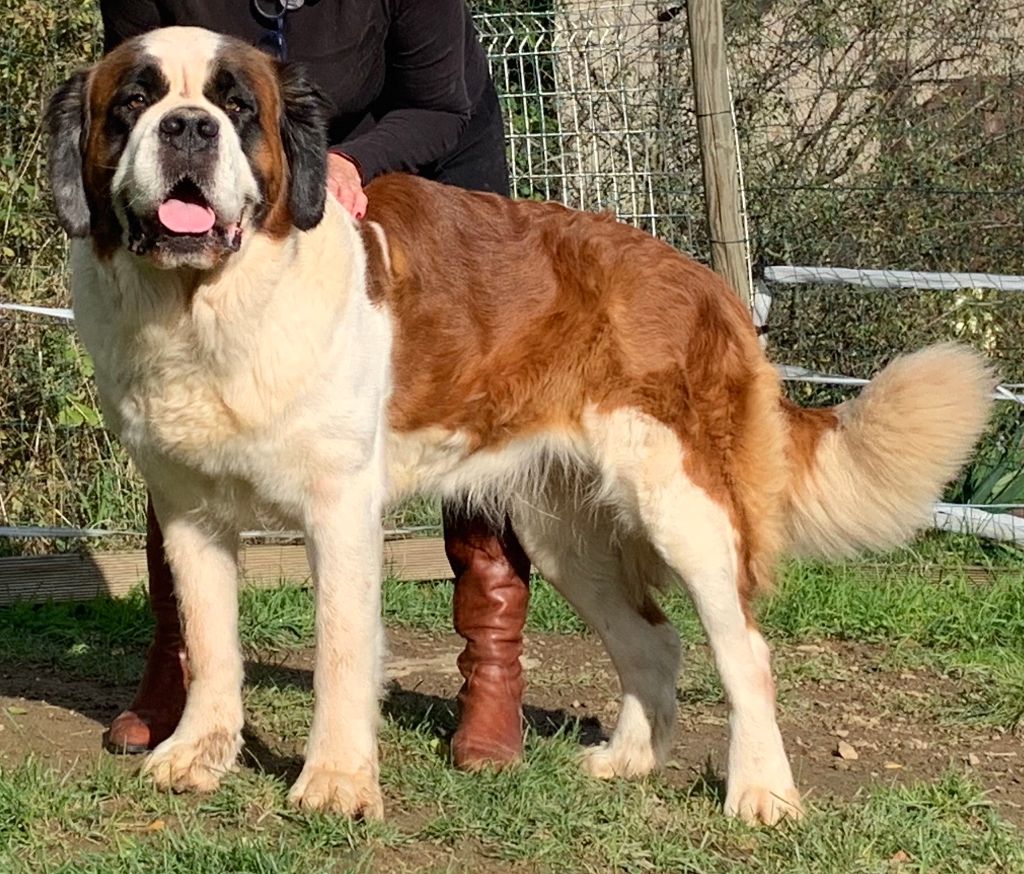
(344,183)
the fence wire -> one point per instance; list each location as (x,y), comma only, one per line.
(597,113)
(884,137)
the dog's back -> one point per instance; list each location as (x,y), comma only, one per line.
(525,311)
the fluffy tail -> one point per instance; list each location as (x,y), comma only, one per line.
(866,473)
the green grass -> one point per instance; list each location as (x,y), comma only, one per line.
(544,814)
(971,631)
(975,631)
(98,817)
(900,605)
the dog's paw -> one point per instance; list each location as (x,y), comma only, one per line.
(196,765)
(355,795)
(619,760)
(760,805)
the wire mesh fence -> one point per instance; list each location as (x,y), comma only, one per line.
(885,136)
(873,136)
(881,138)
(599,111)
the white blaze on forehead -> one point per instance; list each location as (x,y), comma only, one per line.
(185,55)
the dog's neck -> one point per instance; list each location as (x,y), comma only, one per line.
(143,294)
(222,318)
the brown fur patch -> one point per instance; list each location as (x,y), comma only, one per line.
(268,162)
(100,153)
(806,428)
(512,316)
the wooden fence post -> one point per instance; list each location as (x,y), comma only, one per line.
(719,158)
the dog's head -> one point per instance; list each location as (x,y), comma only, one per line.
(180,141)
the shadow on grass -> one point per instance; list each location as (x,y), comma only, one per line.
(51,673)
(85,656)
(709,783)
(409,709)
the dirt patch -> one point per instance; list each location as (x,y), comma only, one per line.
(52,718)
(830,692)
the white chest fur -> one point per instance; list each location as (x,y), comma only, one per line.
(263,379)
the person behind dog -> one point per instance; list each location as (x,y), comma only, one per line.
(409,88)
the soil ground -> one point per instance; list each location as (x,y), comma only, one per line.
(891,716)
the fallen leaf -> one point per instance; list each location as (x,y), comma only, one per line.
(846,751)
(900,856)
(892,766)
(157,825)
(17,711)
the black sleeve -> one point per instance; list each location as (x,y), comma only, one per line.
(123,19)
(426,101)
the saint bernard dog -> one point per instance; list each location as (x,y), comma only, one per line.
(263,356)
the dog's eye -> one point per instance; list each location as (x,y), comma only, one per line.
(136,101)
(233,106)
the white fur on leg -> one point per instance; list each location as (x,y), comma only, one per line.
(642,461)
(341,771)
(760,780)
(578,553)
(630,752)
(760,784)
(187,762)
(208,738)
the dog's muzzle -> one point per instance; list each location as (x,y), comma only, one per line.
(182,224)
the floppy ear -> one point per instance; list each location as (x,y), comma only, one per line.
(67,124)
(304,135)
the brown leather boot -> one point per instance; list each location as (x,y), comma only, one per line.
(160,699)
(491,596)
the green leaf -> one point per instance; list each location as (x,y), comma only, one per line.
(78,413)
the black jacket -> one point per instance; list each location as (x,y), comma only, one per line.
(403,76)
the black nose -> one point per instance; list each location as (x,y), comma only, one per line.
(189,129)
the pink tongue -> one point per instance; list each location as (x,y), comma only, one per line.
(182,217)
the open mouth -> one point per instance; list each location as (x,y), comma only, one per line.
(186,210)
(185,223)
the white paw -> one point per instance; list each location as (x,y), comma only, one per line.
(619,760)
(761,805)
(193,765)
(356,795)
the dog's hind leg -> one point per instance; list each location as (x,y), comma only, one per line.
(579,553)
(643,467)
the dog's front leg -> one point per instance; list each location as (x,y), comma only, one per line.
(344,543)
(208,738)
